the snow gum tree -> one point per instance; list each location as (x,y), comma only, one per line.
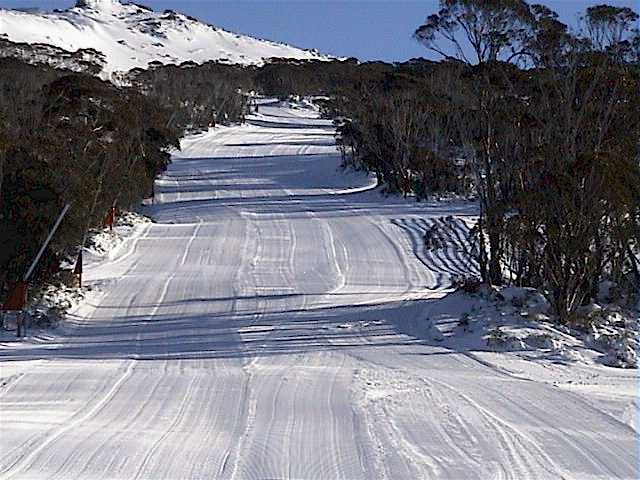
(610,27)
(538,123)
(198,96)
(552,142)
(73,139)
(492,29)
(578,198)
(397,124)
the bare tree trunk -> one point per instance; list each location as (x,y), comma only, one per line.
(634,264)
(2,158)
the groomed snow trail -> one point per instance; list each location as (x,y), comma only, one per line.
(262,328)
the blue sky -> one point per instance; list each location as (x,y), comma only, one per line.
(366,29)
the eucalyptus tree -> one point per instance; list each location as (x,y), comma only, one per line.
(478,30)
(608,26)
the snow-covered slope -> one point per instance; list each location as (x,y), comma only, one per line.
(132,36)
(279,320)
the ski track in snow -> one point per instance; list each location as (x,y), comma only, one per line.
(262,328)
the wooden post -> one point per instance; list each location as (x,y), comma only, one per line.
(110,218)
(21,327)
(113,215)
(16,302)
(78,268)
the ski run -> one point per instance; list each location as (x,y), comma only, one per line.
(279,320)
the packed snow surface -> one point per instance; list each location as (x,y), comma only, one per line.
(281,321)
(132,36)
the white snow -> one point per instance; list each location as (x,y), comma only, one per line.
(131,36)
(283,320)
(106,243)
(49,307)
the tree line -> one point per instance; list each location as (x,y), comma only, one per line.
(67,137)
(70,138)
(541,124)
(198,96)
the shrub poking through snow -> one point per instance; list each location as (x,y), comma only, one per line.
(610,331)
(467,284)
(471,285)
(49,307)
(541,341)
(584,317)
(49,318)
(60,297)
(497,339)
(595,319)
(519,319)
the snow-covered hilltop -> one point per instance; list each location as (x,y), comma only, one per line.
(133,36)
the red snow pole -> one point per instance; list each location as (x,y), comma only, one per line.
(17,297)
(110,219)
(16,302)
(77,270)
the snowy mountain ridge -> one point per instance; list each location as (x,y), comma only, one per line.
(133,36)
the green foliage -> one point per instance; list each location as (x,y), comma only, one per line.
(494,29)
(397,122)
(73,139)
(284,77)
(198,96)
(553,150)
(547,140)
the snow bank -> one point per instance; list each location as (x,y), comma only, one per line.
(52,304)
(528,298)
(105,243)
